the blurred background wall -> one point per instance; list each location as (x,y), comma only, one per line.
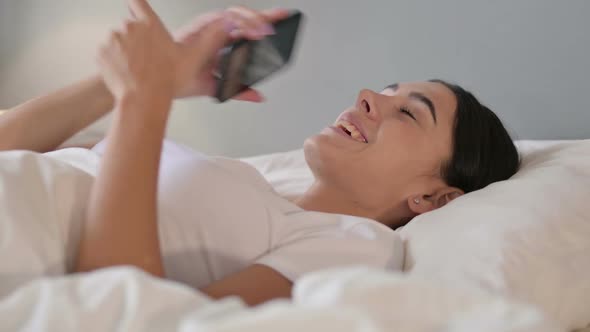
(527,59)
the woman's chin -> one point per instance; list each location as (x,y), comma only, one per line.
(319,151)
(319,145)
(325,153)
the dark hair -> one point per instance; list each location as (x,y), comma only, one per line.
(483,151)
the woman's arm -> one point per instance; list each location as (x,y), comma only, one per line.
(121,226)
(43,124)
(138,65)
(255,284)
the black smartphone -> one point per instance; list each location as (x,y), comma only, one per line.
(247,62)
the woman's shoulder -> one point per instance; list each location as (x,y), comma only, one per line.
(340,222)
(310,241)
(346,232)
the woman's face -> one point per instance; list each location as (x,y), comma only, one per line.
(387,150)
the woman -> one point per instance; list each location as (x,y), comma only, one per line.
(407,150)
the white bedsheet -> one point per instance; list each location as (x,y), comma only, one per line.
(125,299)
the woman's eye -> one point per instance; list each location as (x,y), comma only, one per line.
(407,112)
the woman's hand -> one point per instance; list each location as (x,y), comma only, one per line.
(242,23)
(191,57)
(142,59)
(139,57)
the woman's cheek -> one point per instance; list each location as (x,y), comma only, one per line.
(400,132)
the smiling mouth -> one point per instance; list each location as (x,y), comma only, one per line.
(351,130)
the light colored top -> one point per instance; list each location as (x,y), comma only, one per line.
(219,215)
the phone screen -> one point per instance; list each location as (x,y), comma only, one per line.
(247,62)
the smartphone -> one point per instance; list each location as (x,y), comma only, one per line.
(247,62)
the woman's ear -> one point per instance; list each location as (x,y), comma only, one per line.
(419,204)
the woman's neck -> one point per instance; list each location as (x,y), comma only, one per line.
(324,198)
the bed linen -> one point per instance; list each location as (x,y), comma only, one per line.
(338,299)
(354,299)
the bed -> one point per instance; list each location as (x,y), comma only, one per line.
(511,257)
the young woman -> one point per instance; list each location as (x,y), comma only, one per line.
(395,154)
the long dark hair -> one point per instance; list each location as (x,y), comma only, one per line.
(483,151)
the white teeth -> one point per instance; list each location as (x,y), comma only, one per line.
(354,132)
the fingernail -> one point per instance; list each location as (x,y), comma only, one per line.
(279,10)
(266,30)
(229,25)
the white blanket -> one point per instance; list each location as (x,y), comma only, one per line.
(124,299)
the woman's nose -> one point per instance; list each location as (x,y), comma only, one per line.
(367,103)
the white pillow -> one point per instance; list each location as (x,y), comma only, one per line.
(527,238)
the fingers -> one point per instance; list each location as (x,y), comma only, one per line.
(210,40)
(109,61)
(250,95)
(189,32)
(141,10)
(201,40)
(249,23)
(275,14)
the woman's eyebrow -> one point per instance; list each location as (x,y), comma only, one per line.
(393,87)
(419,97)
(426,101)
